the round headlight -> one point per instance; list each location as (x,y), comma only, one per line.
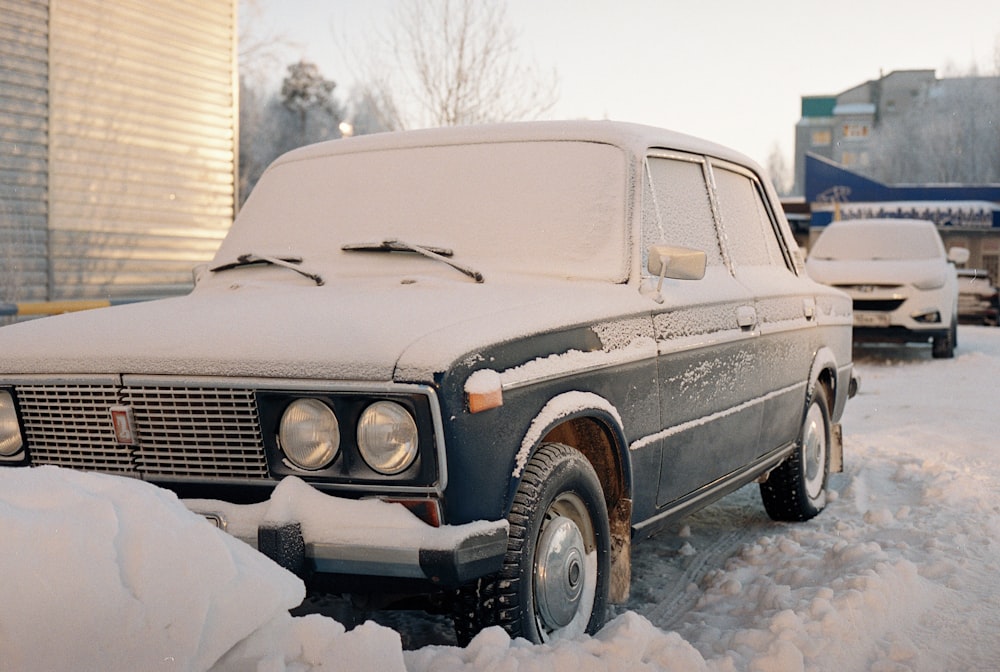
(10,432)
(309,434)
(387,437)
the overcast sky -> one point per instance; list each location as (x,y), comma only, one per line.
(733,71)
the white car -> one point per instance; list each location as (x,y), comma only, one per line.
(903,285)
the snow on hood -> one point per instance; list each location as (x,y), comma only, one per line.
(875,272)
(273,323)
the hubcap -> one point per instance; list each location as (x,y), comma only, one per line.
(814,450)
(559,572)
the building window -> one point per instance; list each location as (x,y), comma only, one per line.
(856,130)
(821,138)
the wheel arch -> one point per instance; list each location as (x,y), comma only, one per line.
(591,425)
(825,372)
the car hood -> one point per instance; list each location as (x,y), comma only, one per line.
(876,271)
(378,330)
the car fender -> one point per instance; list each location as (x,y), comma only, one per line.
(825,361)
(563,408)
(609,457)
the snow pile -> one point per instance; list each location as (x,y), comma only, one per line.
(900,573)
(110,573)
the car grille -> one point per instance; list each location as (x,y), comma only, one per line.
(882,305)
(182,432)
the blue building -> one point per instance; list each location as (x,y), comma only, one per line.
(966,215)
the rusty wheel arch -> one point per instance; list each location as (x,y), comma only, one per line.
(605,450)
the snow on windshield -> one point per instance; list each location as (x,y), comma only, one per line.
(878,239)
(554,208)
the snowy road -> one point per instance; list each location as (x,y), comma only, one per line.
(901,572)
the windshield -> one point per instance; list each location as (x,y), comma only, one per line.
(556,208)
(884,240)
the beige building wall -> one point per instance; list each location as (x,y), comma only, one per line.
(139,143)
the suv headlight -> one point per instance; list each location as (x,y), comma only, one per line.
(387,437)
(10,432)
(309,434)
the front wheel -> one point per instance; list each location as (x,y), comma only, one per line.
(796,489)
(943,347)
(554,580)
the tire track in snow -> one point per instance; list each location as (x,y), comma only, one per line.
(668,569)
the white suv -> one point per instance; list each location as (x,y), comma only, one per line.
(903,285)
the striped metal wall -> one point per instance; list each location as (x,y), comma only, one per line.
(141,143)
(23,149)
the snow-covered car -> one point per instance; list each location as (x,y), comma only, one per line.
(903,284)
(545,340)
(977,298)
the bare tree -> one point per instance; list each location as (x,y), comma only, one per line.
(451,62)
(777,170)
(949,136)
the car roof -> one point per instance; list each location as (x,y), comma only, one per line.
(634,138)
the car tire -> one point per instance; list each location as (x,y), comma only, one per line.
(796,489)
(943,347)
(554,579)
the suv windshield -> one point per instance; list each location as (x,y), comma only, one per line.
(878,240)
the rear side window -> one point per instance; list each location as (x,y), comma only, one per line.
(677,209)
(749,233)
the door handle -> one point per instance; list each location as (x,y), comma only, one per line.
(746,317)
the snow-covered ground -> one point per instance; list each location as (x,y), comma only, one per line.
(901,572)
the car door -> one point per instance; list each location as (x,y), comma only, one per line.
(704,331)
(784,304)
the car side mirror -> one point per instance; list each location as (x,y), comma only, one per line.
(679,263)
(958,255)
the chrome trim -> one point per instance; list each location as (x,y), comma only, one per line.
(110,456)
(60,379)
(645,441)
(720,487)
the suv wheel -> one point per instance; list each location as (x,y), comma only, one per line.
(943,347)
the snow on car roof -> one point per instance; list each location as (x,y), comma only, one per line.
(629,136)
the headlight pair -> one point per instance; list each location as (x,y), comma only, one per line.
(10,432)
(309,435)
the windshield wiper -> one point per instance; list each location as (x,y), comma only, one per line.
(395,245)
(251,259)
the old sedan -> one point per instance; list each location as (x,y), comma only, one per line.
(544,340)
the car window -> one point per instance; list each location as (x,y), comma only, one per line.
(677,209)
(747,226)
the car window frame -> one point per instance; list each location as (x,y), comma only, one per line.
(765,201)
(647,183)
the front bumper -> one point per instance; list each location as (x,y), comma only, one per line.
(310,533)
(898,334)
